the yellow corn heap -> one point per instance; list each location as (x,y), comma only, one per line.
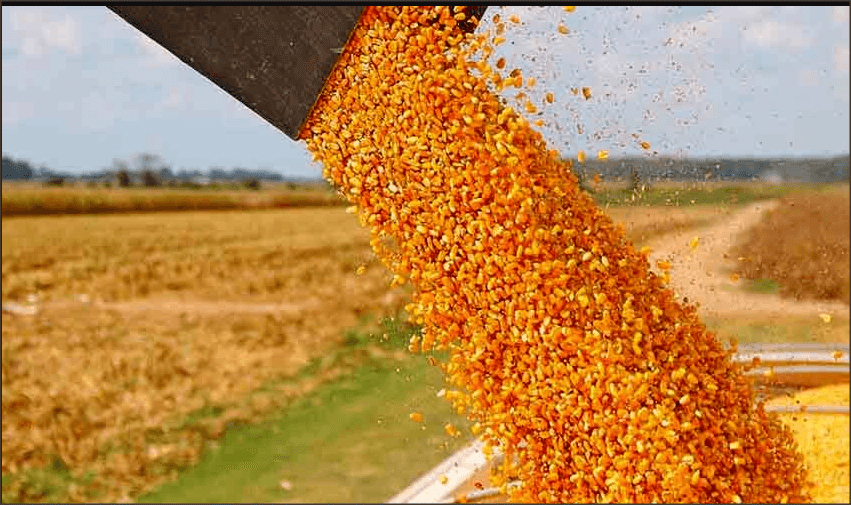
(824,440)
(572,356)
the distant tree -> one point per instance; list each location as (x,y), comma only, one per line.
(253,184)
(150,179)
(123,177)
(218,173)
(55,181)
(148,161)
(16,169)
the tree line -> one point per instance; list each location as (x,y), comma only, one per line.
(143,170)
(151,170)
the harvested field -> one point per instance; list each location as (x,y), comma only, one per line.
(160,329)
(802,245)
(30,200)
(148,320)
(645,223)
(263,256)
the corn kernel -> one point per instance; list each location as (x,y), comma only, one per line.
(555,353)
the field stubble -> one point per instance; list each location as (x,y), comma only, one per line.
(122,381)
(27,199)
(160,329)
(802,245)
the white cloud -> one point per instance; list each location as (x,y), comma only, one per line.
(840,14)
(37,32)
(840,57)
(741,14)
(770,33)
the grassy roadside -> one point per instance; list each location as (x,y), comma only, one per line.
(348,440)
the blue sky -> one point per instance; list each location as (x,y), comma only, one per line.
(81,87)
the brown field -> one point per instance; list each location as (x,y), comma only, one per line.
(159,329)
(29,199)
(802,245)
(146,319)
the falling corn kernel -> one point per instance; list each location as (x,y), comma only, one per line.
(361,269)
(693,243)
(351,209)
(580,156)
(602,154)
(491,231)
(586,92)
(550,98)
(500,63)
(514,18)
(562,29)
(575,91)
(598,179)
(663,265)
(734,277)
(443,479)
(837,355)
(416,417)
(825,317)
(645,145)
(451,430)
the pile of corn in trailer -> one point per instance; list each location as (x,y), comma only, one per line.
(778,370)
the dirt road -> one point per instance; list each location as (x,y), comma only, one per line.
(703,274)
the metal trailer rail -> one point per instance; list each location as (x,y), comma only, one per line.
(794,365)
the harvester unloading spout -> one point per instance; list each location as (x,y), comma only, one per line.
(275,59)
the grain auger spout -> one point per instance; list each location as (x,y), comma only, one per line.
(275,59)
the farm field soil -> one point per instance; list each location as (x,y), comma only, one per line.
(703,264)
(160,329)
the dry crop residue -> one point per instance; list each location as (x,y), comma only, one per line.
(803,245)
(185,313)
